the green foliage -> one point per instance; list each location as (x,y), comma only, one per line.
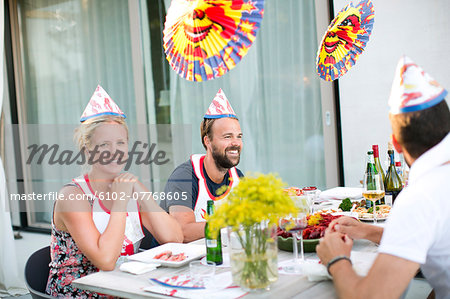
(346,205)
(370,210)
(257,198)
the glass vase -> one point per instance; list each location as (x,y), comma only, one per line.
(253,256)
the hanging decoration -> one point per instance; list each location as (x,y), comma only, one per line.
(345,40)
(204,39)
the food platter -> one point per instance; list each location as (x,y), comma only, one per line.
(317,224)
(190,252)
(286,244)
(365,215)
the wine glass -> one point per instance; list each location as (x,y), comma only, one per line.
(312,194)
(295,224)
(373,190)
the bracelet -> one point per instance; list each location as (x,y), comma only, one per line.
(337,259)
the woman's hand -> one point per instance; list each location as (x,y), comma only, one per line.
(122,186)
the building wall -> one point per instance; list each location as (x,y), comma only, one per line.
(416,28)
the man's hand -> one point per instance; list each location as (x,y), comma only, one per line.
(349,226)
(332,245)
(355,229)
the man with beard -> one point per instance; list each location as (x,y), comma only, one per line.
(197,180)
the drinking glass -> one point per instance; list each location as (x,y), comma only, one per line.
(202,273)
(373,190)
(295,224)
(312,194)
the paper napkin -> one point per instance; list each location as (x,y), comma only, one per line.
(311,268)
(137,267)
(315,271)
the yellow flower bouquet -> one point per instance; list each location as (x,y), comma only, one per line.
(251,212)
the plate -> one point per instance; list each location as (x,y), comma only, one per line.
(339,193)
(191,251)
(348,214)
(308,245)
(370,218)
(382,214)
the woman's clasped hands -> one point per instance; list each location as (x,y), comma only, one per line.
(122,191)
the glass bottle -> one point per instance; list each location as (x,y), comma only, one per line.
(376,157)
(213,244)
(393,181)
(370,170)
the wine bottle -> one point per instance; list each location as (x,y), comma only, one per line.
(376,157)
(370,170)
(393,180)
(213,244)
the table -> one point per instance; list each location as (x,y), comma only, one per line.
(121,284)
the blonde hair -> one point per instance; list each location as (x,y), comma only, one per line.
(83,134)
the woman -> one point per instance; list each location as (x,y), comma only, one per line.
(100,218)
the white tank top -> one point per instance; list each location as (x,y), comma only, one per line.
(203,192)
(100,215)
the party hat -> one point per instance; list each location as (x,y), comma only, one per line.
(101,104)
(413,89)
(220,107)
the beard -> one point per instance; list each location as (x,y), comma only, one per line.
(222,161)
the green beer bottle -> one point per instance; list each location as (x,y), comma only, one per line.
(213,245)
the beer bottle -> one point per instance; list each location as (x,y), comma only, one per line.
(213,244)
